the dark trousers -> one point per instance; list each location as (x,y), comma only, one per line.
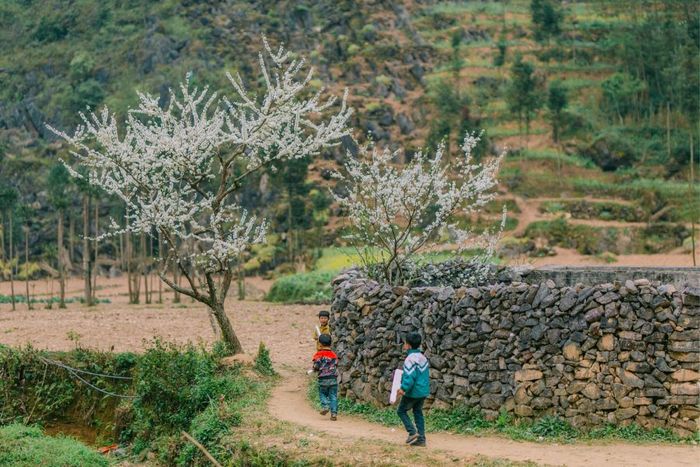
(409,403)
(328,393)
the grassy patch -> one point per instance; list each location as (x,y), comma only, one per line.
(4,299)
(553,155)
(608,211)
(22,445)
(171,388)
(308,287)
(588,240)
(334,259)
(653,192)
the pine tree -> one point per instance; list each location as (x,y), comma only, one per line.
(546,18)
(556,103)
(525,93)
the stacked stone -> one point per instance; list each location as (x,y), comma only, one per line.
(614,352)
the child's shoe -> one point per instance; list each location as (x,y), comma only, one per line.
(412,438)
(324,412)
(334,417)
(419,443)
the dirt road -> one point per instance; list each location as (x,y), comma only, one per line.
(289,403)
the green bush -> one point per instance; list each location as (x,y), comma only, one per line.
(28,446)
(32,390)
(582,209)
(308,287)
(174,388)
(209,427)
(173,384)
(585,239)
(263,362)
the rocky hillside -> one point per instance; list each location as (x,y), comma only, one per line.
(419,72)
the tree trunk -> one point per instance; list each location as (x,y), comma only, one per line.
(127,257)
(160,257)
(144,268)
(241,279)
(86,251)
(151,260)
(71,238)
(228,336)
(61,265)
(527,131)
(290,246)
(95,268)
(2,235)
(176,280)
(12,266)
(691,188)
(122,264)
(26,266)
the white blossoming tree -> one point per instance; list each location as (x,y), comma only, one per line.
(397,211)
(178,168)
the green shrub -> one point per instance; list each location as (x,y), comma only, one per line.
(209,427)
(553,427)
(585,239)
(28,446)
(461,418)
(32,390)
(173,384)
(263,362)
(309,287)
(174,388)
(582,209)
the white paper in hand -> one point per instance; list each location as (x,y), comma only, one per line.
(395,386)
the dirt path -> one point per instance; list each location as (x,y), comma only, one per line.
(289,403)
(529,213)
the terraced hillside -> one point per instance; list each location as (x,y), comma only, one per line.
(419,72)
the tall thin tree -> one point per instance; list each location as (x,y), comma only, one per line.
(8,202)
(58,182)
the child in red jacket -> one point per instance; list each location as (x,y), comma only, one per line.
(326,364)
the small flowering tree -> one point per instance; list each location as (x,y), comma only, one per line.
(397,211)
(178,168)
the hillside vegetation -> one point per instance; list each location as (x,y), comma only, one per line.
(594,99)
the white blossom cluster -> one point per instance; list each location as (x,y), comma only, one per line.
(177,167)
(396,211)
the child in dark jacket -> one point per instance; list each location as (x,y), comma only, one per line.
(415,387)
(326,364)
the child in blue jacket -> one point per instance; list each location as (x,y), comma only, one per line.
(415,387)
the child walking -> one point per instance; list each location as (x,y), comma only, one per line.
(326,364)
(322,328)
(415,387)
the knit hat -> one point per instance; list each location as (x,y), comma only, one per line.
(325,340)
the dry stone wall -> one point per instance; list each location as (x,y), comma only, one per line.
(592,354)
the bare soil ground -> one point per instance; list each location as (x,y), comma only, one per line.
(295,426)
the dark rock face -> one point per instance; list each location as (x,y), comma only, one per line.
(604,353)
